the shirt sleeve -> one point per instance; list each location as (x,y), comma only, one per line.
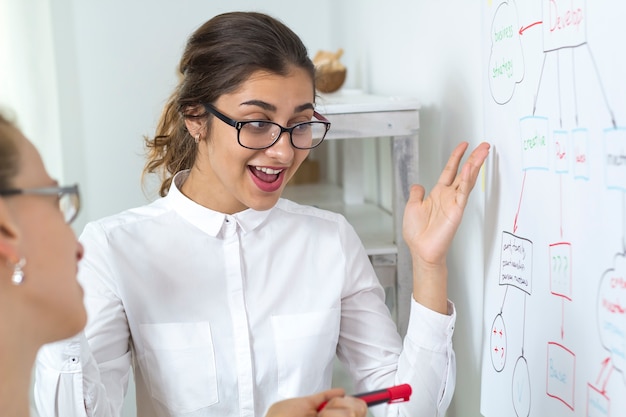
(87,375)
(427,362)
(376,356)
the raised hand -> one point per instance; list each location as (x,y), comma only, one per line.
(430,223)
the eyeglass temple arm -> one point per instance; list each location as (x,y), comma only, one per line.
(320,117)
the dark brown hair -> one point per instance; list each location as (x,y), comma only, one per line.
(219,56)
(9,155)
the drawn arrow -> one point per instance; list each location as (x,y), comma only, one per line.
(562,318)
(605,365)
(519,205)
(561,204)
(522,29)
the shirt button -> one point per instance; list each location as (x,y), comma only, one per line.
(74,359)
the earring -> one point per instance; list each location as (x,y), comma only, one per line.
(18,274)
(197,139)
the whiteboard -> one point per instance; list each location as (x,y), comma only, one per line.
(554,323)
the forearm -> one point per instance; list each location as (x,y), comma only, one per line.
(430,285)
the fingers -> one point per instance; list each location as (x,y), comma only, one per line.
(450,170)
(466,180)
(344,406)
(449,175)
(334,401)
(416,193)
(328,395)
(478,156)
(304,406)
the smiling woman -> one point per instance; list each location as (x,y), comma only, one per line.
(206,292)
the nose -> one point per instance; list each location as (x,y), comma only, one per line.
(80,252)
(281,150)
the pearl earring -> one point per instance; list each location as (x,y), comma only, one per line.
(197,139)
(18,274)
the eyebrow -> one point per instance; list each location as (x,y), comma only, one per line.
(270,107)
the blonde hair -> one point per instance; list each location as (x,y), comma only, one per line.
(9,155)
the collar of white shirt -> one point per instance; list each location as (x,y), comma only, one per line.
(210,221)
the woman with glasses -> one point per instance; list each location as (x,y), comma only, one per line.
(224,297)
(40,298)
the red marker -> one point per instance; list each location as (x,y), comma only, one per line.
(397,394)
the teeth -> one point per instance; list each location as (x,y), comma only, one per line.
(268,170)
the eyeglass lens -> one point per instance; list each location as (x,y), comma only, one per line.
(263,134)
(69,204)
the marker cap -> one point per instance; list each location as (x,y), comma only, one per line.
(400,393)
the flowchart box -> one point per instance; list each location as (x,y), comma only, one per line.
(516,262)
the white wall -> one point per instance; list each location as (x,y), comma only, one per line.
(116,65)
(28,89)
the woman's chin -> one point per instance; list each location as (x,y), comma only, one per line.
(266,203)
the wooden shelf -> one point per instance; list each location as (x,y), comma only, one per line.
(373,224)
(355,115)
(356,101)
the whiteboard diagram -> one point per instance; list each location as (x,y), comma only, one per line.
(554,326)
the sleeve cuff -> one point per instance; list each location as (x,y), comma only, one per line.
(429,329)
(64,356)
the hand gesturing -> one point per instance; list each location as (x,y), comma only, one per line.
(430,223)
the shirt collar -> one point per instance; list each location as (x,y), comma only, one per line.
(210,221)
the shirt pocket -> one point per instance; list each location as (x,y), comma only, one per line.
(305,348)
(180,365)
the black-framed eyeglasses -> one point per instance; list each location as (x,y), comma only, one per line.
(68,197)
(262,134)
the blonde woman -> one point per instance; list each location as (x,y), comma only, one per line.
(40,299)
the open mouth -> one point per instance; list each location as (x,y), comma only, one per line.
(267,179)
(266,174)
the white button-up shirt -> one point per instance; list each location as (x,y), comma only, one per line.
(222,315)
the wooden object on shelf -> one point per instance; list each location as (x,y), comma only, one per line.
(330,73)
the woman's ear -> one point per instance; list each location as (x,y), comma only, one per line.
(196,126)
(9,236)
